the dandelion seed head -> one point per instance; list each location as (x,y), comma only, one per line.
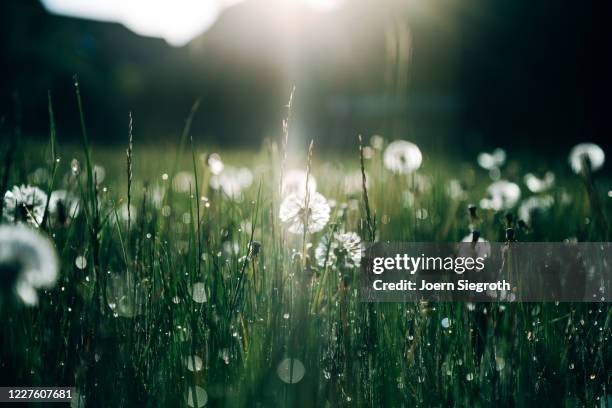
(344,250)
(232,181)
(502,194)
(40,176)
(99,173)
(294,181)
(28,261)
(25,204)
(183,182)
(402,157)
(534,203)
(377,142)
(455,190)
(493,160)
(368,152)
(539,185)
(75,167)
(293,210)
(215,164)
(593,152)
(64,204)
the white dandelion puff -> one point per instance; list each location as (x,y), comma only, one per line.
(344,249)
(377,142)
(232,181)
(124,214)
(27,262)
(157,194)
(502,194)
(493,160)
(99,173)
(215,164)
(590,151)
(295,182)
(25,204)
(538,185)
(533,204)
(64,204)
(402,157)
(40,176)
(183,182)
(455,190)
(293,212)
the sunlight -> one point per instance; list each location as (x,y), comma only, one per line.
(178,22)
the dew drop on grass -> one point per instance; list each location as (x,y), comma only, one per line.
(196,397)
(446,323)
(80,262)
(286,316)
(198,292)
(291,371)
(194,363)
(469,376)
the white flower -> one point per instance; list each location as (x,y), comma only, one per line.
(25,203)
(377,142)
(344,249)
(455,190)
(215,164)
(490,161)
(27,262)
(183,182)
(63,204)
(157,194)
(594,153)
(99,173)
(538,185)
(124,214)
(534,203)
(402,157)
(232,181)
(293,210)
(295,182)
(502,194)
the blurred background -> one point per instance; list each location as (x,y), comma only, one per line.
(464,74)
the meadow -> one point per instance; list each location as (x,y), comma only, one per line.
(193,276)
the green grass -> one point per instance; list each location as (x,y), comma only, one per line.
(264,308)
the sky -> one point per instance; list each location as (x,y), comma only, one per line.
(177,21)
